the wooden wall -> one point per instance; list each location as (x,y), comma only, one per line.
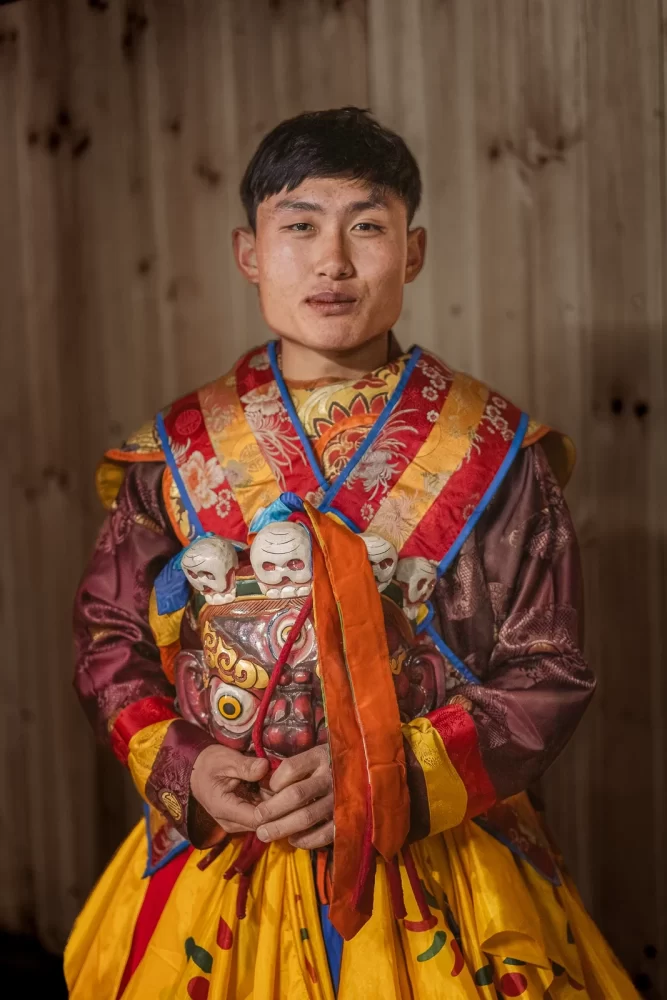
(540,129)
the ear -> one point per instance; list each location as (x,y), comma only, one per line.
(190,676)
(416,253)
(245,253)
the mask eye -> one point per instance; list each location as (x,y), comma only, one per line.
(233,708)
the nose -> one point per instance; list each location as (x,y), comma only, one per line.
(334,260)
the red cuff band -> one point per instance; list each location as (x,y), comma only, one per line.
(458,732)
(135,717)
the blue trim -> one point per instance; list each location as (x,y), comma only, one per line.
(333,945)
(193,517)
(469,526)
(293,415)
(452,657)
(425,622)
(151,869)
(344,518)
(371,437)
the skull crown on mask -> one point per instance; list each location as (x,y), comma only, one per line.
(383,558)
(210,567)
(281,558)
(416,577)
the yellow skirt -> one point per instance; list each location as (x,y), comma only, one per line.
(500,930)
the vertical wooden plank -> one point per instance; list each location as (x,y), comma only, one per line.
(658,569)
(655,963)
(16,897)
(625,342)
(57,779)
(559,289)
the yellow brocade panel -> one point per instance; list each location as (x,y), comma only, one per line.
(440,455)
(246,470)
(447,796)
(144,747)
(109,478)
(166,629)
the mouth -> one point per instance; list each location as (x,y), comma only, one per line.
(331,303)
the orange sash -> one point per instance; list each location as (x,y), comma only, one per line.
(372,803)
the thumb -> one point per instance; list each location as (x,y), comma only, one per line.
(248,768)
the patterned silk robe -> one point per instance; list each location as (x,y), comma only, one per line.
(508,608)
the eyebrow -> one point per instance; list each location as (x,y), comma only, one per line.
(292,204)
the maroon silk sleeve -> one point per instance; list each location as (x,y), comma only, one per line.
(119,677)
(511,609)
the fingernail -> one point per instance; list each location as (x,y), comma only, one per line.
(262,833)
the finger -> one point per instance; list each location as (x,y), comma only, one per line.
(300,766)
(227,808)
(292,798)
(297,821)
(234,828)
(245,768)
(320,836)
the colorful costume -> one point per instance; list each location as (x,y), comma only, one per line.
(386,565)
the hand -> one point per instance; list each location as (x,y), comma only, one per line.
(301,807)
(221,781)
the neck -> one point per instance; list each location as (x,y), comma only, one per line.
(299,362)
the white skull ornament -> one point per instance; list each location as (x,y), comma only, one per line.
(383,558)
(282,560)
(416,578)
(210,567)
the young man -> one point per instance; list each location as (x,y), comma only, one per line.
(332,628)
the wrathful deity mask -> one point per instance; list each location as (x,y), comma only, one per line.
(227,658)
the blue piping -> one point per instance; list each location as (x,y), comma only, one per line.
(371,437)
(452,657)
(293,415)
(469,526)
(151,869)
(455,548)
(193,517)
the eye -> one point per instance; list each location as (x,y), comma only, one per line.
(209,576)
(296,564)
(386,563)
(369,226)
(233,708)
(300,227)
(268,566)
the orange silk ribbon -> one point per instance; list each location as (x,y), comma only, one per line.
(368,761)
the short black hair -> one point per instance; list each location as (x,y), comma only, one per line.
(341,142)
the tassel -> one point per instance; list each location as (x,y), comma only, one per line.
(428,919)
(242,896)
(395,889)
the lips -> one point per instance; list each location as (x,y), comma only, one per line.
(327,298)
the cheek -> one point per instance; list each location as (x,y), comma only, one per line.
(384,272)
(282,269)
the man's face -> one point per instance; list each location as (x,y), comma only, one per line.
(330,259)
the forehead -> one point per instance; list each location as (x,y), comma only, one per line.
(333,195)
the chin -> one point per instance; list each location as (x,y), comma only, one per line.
(333,336)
